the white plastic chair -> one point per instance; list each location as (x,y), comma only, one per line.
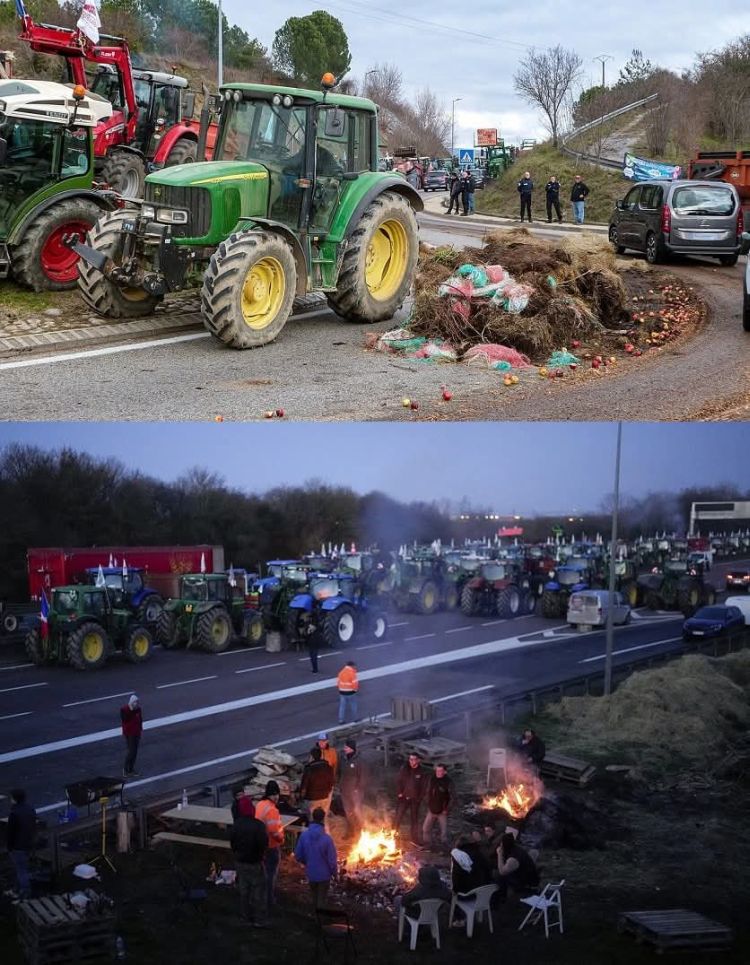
(474,906)
(498,762)
(428,915)
(539,907)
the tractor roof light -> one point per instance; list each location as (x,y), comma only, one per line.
(237,97)
(289,100)
(227,95)
(79,92)
(328,81)
(276,100)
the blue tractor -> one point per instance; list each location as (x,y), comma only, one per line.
(340,608)
(128,591)
(271,595)
(567,578)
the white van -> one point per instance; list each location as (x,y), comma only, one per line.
(588,608)
(742,603)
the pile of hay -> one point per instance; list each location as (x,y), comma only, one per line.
(686,715)
(577,293)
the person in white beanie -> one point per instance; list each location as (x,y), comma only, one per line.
(131,717)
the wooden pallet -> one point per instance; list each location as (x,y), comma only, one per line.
(410,708)
(435,750)
(568,769)
(675,928)
(51,933)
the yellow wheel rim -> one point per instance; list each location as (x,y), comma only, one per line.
(386,260)
(219,631)
(134,294)
(140,645)
(92,647)
(256,629)
(429,600)
(263,293)
(633,596)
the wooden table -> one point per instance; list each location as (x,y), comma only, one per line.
(209,815)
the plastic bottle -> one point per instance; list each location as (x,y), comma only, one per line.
(184,797)
(120,947)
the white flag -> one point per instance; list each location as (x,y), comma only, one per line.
(100,581)
(110,560)
(203,562)
(124,569)
(89,22)
(232,580)
(323,550)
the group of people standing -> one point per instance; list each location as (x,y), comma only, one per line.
(461,188)
(578,194)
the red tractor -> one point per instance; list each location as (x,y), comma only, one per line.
(498,588)
(152,124)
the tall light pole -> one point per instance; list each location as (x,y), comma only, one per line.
(602,58)
(221,45)
(610,608)
(453,122)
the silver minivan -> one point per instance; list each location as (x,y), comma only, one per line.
(588,608)
(742,603)
(662,217)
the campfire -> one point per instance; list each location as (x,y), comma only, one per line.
(374,848)
(376,869)
(516,799)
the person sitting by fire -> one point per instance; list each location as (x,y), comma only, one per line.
(470,869)
(532,749)
(429,885)
(515,867)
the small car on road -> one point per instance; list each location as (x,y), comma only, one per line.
(713,621)
(743,605)
(436,180)
(737,580)
(588,608)
(662,217)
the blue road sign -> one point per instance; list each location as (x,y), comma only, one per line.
(465,155)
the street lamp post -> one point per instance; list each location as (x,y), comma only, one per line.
(453,123)
(610,613)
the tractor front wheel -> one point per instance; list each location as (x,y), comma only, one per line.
(167,630)
(428,599)
(123,171)
(41,261)
(528,605)
(551,608)
(150,609)
(101,294)
(469,602)
(88,647)
(185,151)
(34,648)
(340,626)
(248,289)
(139,645)
(451,598)
(378,626)
(509,602)
(213,631)
(379,262)
(255,631)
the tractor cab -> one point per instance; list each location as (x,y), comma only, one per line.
(329,585)
(123,587)
(74,602)
(205,588)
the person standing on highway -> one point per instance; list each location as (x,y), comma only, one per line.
(248,840)
(348,687)
(468,188)
(318,779)
(455,191)
(313,637)
(439,796)
(552,191)
(352,781)
(411,785)
(317,852)
(131,717)
(578,196)
(328,753)
(525,190)
(21,838)
(267,811)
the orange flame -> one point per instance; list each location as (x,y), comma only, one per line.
(516,799)
(379,849)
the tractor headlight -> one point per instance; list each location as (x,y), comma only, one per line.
(172,216)
(288,100)
(227,95)
(148,211)
(236,97)
(276,100)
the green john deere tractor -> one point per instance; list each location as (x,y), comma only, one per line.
(421,584)
(677,585)
(207,615)
(84,629)
(292,203)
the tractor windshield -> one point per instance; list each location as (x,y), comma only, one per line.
(132,582)
(495,571)
(38,154)
(295,574)
(195,590)
(676,566)
(570,577)
(325,589)
(65,602)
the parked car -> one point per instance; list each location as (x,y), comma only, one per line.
(743,605)
(478,174)
(738,580)
(712,621)
(589,609)
(746,292)
(436,181)
(661,217)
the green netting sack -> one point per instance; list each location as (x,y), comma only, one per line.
(477,275)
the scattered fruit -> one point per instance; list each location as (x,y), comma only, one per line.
(543,372)
(269,414)
(447,395)
(219,418)
(406,402)
(280,413)
(414,405)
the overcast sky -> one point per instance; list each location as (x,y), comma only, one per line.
(478,64)
(508,467)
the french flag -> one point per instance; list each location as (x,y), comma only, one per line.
(44,617)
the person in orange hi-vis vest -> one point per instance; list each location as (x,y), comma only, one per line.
(328,753)
(266,810)
(348,685)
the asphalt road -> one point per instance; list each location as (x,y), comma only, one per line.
(319,370)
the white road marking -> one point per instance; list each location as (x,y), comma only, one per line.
(8,690)
(642,646)
(93,700)
(535,633)
(406,624)
(460,629)
(17,666)
(493,623)
(97,352)
(374,646)
(181,683)
(266,666)
(11,716)
(462,693)
(330,653)
(234,653)
(422,636)
(471,652)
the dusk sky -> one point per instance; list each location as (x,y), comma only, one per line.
(510,467)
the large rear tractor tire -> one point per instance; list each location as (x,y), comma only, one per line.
(123,171)
(379,262)
(139,645)
(255,631)
(469,602)
(101,294)
(167,630)
(689,599)
(41,261)
(509,602)
(709,596)
(88,647)
(10,623)
(428,599)
(213,631)
(185,151)
(340,626)
(248,289)
(34,647)
(150,609)
(630,593)
(551,608)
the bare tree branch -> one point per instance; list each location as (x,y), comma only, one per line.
(546,79)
